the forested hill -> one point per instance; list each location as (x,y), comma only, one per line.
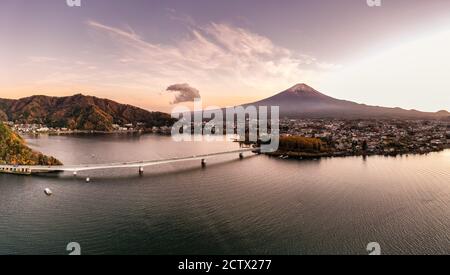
(79,112)
(14,151)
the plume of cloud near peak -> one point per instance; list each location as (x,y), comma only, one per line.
(185,93)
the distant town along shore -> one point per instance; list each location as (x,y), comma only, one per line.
(36,129)
(308,138)
(315,138)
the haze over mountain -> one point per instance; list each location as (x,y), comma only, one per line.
(302,101)
(78,112)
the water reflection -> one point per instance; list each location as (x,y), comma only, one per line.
(258,205)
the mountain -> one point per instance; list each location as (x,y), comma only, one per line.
(14,151)
(302,101)
(78,112)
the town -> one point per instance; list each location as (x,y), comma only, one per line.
(341,137)
(372,137)
(36,129)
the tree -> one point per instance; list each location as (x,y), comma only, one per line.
(365,146)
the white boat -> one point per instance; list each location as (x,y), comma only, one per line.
(48,192)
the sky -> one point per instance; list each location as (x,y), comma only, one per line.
(228,52)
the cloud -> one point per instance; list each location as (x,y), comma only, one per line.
(181,17)
(185,92)
(220,58)
(128,34)
(42,59)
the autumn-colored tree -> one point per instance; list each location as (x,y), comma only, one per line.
(13,150)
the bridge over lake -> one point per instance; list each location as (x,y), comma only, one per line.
(28,170)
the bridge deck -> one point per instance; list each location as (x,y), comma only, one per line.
(22,169)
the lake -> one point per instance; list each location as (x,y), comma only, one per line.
(258,205)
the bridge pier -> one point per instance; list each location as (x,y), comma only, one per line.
(241,155)
(203,163)
(141,171)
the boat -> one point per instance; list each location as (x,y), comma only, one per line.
(48,192)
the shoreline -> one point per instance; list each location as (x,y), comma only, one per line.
(315,156)
(278,154)
(88,132)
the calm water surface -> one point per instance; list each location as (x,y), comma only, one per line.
(258,205)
